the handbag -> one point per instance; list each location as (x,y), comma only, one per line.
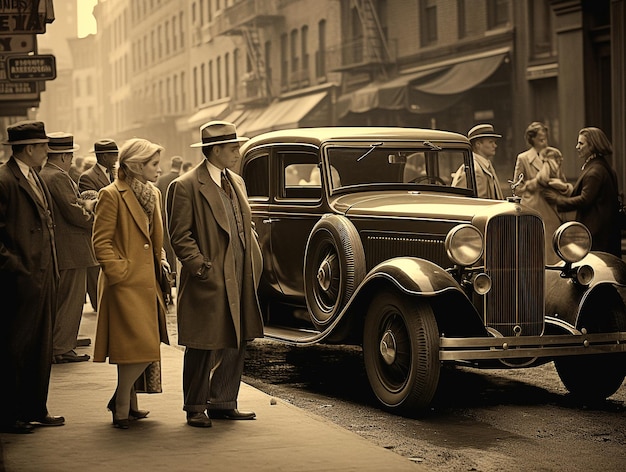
(150,379)
(166,282)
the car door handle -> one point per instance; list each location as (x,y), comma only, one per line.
(270,220)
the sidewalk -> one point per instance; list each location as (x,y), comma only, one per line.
(282,438)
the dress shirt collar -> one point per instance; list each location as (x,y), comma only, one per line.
(215,172)
(25,168)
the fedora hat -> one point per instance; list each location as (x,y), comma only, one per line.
(104,145)
(482,131)
(218,132)
(26,132)
(61,143)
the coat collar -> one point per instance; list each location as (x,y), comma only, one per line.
(133,206)
(210,191)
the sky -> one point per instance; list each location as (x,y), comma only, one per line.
(86,21)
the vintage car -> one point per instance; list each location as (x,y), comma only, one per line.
(366,242)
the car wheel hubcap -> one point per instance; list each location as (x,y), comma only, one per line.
(325,275)
(388,347)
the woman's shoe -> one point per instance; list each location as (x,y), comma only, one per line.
(138,414)
(121,423)
(111,404)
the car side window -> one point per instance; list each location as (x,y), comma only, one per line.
(256,176)
(300,175)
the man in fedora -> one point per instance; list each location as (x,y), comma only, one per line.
(483,140)
(89,183)
(210,227)
(73,221)
(28,282)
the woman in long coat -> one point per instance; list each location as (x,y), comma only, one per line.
(128,242)
(595,195)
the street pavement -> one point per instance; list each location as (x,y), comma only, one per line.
(282,438)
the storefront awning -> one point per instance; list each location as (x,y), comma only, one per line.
(283,114)
(426,89)
(202,116)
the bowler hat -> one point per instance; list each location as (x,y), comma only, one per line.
(482,131)
(61,143)
(218,132)
(26,132)
(105,145)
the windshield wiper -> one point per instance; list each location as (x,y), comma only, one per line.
(369,151)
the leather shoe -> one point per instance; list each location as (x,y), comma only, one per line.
(233,414)
(199,420)
(49,420)
(19,427)
(70,356)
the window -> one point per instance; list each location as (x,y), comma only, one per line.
(211,92)
(89,86)
(195,87)
(497,13)
(77,87)
(320,63)
(428,22)
(202,84)
(174,33)
(294,51)
(541,39)
(284,61)
(167,38)
(176,96)
(227,74)
(300,176)
(256,174)
(268,61)
(181,33)
(304,39)
(235,70)
(218,74)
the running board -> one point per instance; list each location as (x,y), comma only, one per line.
(294,336)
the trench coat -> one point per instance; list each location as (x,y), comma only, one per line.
(487,183)
(28,281)
(131,311)
(214,312)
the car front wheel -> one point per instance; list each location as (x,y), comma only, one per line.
(401,352)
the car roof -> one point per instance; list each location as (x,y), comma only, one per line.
(317,136)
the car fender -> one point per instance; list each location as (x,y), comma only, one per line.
(422,279)
(565,298)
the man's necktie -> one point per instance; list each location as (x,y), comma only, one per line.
(226,185)
(34,184)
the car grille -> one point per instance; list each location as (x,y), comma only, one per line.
(514,259)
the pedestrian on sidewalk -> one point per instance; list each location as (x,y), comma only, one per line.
(101,174)
(28,282)
(210,226)
(73,218)
(128,242)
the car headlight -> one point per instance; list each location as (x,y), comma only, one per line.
(572,241)
(464,245)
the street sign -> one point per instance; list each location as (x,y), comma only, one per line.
(18,43)
(19,16)
(28,68)
(13,91)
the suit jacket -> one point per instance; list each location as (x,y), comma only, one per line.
(164,182)
(28,280)
(72,224)
(93,179)
(487,183)
(131,311)
(529,163)
(214,310)
(595,200)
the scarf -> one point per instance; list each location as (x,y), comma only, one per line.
(145,195)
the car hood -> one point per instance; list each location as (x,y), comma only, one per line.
(419,205)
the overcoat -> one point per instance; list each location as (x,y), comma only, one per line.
(529,163)
(131,311)
(93,179)
(595,200)
(213,312)
(72,223)
(487,183)
(28,279)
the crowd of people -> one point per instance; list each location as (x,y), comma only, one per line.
(111,230)
(68,233)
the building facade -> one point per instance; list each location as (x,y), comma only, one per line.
(164,67)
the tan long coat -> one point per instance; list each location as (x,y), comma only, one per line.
(131,311)
(212,313)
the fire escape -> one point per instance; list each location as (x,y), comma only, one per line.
(367,50)
(247,19)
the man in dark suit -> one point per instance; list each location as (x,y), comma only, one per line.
(210,225)
(89,183)
(73,221)
(162,183)
(28,282)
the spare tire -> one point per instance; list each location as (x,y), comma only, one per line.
(334,266)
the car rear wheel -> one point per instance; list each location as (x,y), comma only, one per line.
(334,266)
(401,352)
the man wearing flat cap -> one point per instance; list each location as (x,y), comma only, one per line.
(73,221)
(210,227)
(28,282)
(89,183)
(483,140)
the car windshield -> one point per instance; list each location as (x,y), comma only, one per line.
(376,165)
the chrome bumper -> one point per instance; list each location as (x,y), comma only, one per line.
(455,349)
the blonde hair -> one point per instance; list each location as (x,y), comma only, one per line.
(134,152)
